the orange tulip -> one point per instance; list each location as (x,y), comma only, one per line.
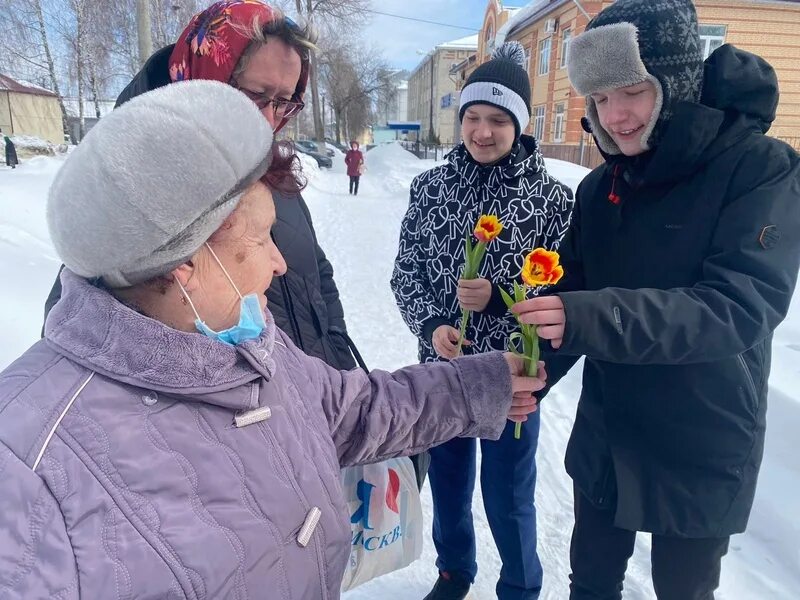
(488,228)
(541,268)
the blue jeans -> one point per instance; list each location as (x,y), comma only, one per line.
(508,482)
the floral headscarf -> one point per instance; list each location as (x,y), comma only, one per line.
(215,39)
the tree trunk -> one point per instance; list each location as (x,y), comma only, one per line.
(143,30)
(37,4)
(80,26)
(95,89)
(319,132)
(338,113)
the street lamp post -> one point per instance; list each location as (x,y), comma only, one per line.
(432,55)
(430,131)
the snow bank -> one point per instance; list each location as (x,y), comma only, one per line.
(394,166)
(28,145)
(566,172)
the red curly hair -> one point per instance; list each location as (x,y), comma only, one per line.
(285,173)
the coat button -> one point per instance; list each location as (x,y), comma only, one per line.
(150,399)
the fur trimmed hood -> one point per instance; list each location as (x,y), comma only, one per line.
(633,41)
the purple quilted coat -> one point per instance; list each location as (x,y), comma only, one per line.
(137,461)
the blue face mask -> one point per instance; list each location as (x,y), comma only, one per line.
(251,317)
(251,323)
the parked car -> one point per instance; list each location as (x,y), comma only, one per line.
(322,159)
(313,147)
(336,144)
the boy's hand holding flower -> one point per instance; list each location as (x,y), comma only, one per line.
(474,294)
(547,314)
(486,229)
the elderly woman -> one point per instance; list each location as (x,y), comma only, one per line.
(165,439)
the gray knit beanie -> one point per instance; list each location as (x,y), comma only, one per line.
(633,41)
(153,180)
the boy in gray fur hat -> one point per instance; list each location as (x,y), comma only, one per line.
(680,262)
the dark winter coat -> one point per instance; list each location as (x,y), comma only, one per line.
(678,288)
(305,301)
(11,153)
(354,159)
(445,203)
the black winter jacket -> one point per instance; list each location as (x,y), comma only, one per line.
(305,301)
(673,295)
(445,203)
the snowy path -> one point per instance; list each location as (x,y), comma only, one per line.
(359,234)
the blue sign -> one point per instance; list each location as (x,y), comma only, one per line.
(447,100)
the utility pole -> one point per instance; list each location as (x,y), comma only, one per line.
(430,132)
(143,30)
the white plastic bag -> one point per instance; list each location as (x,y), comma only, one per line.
(385,517)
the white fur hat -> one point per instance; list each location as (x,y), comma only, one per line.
(154,179)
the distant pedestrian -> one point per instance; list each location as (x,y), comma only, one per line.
(354,159)
(11,152)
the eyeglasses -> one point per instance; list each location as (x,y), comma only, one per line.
(281,108)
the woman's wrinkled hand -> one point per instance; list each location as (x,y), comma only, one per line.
(523,388)
(474,294)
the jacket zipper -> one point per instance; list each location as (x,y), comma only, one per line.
(749,376)
(601,498)
(287,302)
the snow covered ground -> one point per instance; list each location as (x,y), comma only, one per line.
(359,234)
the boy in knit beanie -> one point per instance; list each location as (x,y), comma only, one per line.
(680,262)
(498,171)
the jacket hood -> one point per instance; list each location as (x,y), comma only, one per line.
(740,82)
(525,158)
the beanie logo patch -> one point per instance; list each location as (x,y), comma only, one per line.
(496,92)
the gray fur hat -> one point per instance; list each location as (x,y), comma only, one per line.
(633,41)
(153,180)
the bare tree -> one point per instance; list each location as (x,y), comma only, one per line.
(355,79)
(26,47)
(331,15)
(169,17)
(78,48)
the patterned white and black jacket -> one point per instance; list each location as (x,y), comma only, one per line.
(445,203)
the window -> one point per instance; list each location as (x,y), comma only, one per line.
(538,122)
(711,38)
(565,38)
(544,57)
(528,60)
(558,123)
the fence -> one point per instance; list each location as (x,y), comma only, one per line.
(588,155)
(425,150)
